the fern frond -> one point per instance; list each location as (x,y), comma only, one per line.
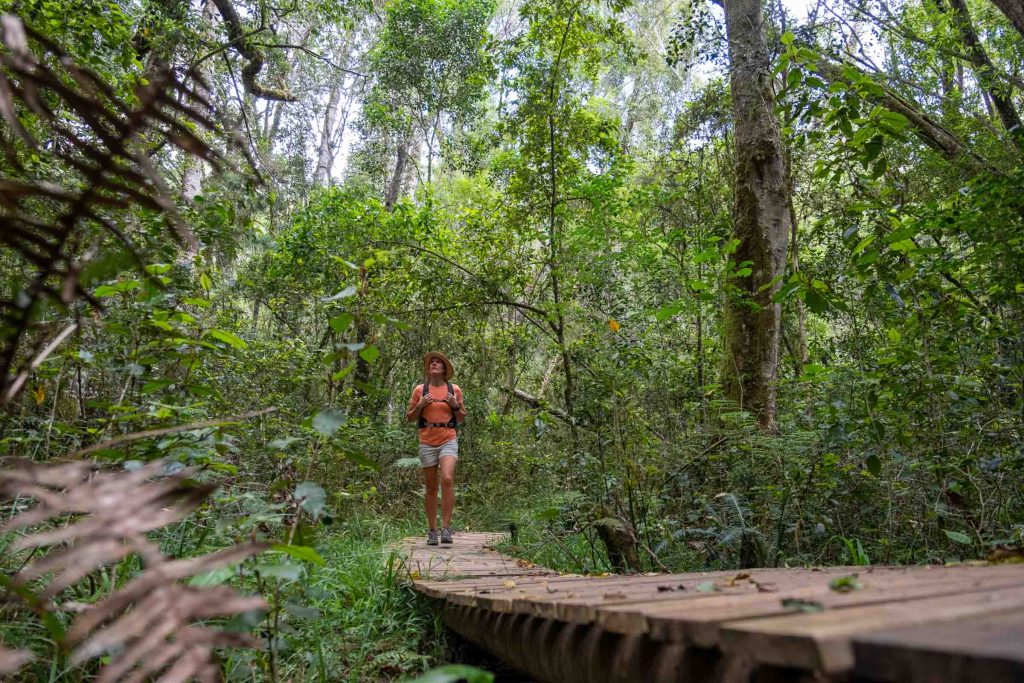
(94,519)
(97,167)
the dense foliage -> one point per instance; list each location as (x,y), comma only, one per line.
(545,191)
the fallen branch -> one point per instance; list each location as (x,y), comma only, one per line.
(540,404)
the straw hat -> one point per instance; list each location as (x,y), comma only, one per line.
(449,370)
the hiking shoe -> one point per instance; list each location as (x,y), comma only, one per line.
(432,537)
(446,535)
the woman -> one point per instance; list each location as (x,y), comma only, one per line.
(437,407)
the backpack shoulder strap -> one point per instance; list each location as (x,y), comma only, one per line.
(422,422)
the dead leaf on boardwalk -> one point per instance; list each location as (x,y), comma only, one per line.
(764,587)
(614,596)
(707,587)
(414,575)
(525,564)
(739,577)
(510,584)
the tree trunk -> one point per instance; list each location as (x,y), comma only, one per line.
(395,186)
(325,156)
(1014,11)
(1000,94)
(761,218)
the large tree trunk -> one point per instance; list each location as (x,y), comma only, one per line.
(1014,11)
(999,93)
(761,218)
(325,156)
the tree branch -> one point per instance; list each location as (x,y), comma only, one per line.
(250,50)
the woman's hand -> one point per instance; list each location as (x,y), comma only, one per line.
(425,400)
(452,402)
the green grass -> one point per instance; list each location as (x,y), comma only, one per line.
(371,625)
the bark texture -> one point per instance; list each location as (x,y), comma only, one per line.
(761,218)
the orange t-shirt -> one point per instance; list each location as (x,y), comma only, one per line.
(436,412)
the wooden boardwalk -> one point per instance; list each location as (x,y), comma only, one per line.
(914,624)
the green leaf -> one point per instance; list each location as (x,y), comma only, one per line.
(283,443)
(406,462)
(228,338)
(340,323)
(453,673)
(311,497)
(212,578)
(816,302)
(300,552)
(707,587)
(369,354)
(667,311)
(873,464)
(223,467)
(862,245)
(156,385)
(787,38)
(328,421)
(340,374)
(845,584)
(205,282)
(958,537)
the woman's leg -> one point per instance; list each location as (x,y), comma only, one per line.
(430,497)
(447,467)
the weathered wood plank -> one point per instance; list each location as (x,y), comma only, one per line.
(989,649)
(700,623)
(822,640)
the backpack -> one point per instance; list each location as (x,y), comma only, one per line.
(422,423)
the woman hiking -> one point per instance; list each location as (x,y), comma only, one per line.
(437,407)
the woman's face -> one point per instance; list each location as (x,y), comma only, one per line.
(436,366)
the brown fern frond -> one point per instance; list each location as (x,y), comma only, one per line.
(97,518)
(100,143)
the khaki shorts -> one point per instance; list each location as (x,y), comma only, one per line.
(430,455)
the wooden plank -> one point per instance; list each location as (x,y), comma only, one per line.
(701,623)
(440,589)
(501,598)
(823,640)
(989,649)
(622,613)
